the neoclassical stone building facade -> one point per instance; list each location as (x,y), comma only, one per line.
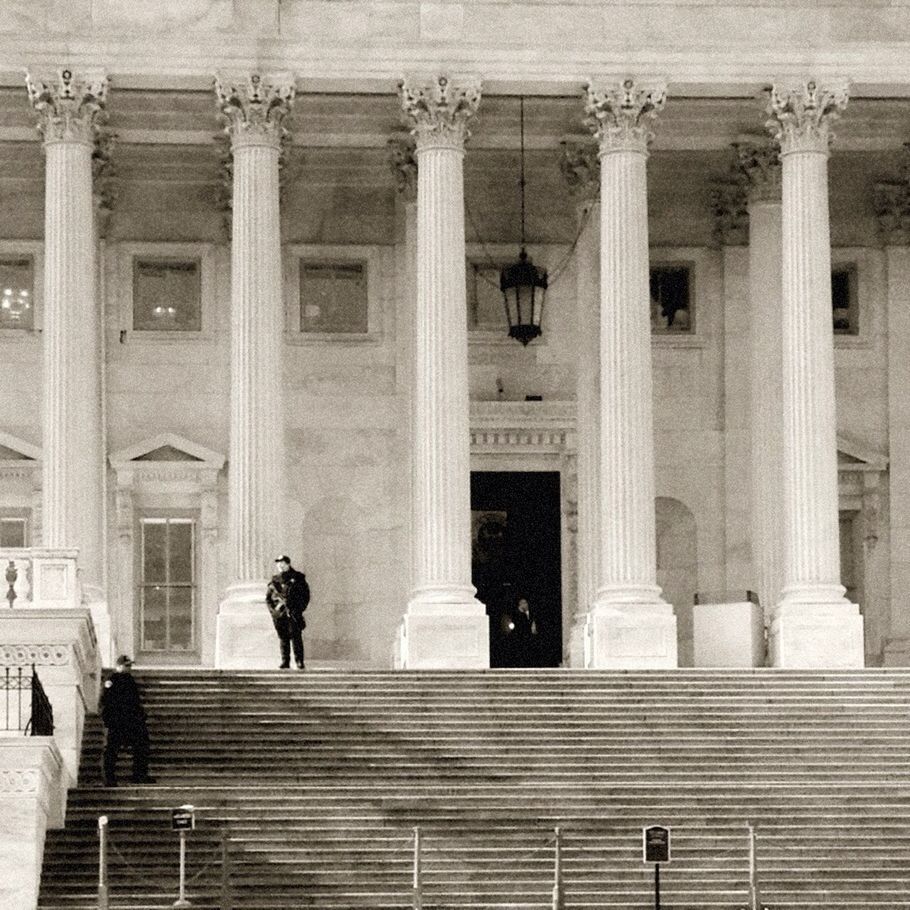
(249,264)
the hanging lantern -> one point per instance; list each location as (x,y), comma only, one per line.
(523,285)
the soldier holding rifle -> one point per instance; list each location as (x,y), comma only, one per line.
(287,597)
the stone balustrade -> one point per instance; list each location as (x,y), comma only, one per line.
(40,577)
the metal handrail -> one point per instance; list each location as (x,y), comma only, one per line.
(34,717)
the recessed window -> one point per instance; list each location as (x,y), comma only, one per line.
(844,300)
(13,532)
(167,295)
(167,587)
(485,303)
(16,293)
(333,297)
(671,299)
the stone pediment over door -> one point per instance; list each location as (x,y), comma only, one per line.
(860,482)
(18,458)
(167,448)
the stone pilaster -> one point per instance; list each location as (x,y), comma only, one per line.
(580,165)
(813,624)
(629,623)
(70,108)
(445,626)
(253,111)
(759,166)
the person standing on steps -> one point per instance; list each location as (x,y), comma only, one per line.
(123,717)
(287,597)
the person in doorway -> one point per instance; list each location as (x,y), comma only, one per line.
(287,597)
(520,627)
(124,720)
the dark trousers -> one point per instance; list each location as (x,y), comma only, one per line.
(134,736)
(293,637)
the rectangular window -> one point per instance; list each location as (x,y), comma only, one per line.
(671,299)
(485,304)
(844,300)
(16,293)
(167,588)
(13,532)
(333,297)
(167,295)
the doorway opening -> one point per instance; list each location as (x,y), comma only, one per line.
(515,557)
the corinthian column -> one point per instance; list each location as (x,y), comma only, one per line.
(760,170)
(253,112)
(445,626)
(813,625)
(71,109)
(629,624)
(581,168)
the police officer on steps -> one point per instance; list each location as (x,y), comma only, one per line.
(287,597)
(124,719)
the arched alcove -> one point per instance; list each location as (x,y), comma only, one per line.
(677,566)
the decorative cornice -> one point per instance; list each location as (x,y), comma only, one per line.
(440,109)
(517,426)
(70,109)
(42,655)
(759,165)
(19,780)
(253,111)
(801,114)
(403,164)
(580,166)
(620,116)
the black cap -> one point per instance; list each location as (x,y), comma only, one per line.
(286,559)
(124,660)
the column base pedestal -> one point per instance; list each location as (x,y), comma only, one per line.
(631,637)
(444,637)
(815,636)
(245,638)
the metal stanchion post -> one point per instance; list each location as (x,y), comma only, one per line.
(103,903)
(557,873)
(656,886)
(181,898)
(227,901)
(418,897)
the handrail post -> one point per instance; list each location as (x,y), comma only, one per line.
(418,896)
(754,897)
(557,871)
(226,896)
(102,863)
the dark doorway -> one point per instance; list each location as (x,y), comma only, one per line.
(515,554)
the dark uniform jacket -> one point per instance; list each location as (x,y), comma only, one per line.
(287,597)
(121,702)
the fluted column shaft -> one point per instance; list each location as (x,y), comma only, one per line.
(811,555)
(70,110)
(253,114)
(442,471)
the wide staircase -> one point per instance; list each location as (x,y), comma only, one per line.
(308,788)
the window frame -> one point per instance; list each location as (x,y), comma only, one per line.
(127,256)
(177,515)
(703,291)
(857,259)
(332,254)
(34,250)
(18,514)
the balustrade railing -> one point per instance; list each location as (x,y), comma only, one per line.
(26,709)
(39,577)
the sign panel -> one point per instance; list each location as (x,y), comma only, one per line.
(183,818)
(656,844)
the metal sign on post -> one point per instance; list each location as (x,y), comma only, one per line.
(183,819)
(656,849)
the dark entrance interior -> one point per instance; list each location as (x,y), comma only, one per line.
(515,553)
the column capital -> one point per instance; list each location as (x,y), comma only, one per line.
(580,166)
(253,109)
(801,114)
(891,201)
(729,207)
(403,164)
(440,109)
(620,115)
(70,107)
(759,164)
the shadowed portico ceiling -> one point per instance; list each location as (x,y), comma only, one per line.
(168,117)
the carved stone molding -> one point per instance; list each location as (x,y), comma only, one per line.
(70,108)
(620,116)
(42,655)
(106,189)
(580,166)
(891,201)
(440,109)
(520,427)
(253,111)
(801,114)
(759,165)
(19,780)
(403,164)
(729,205)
